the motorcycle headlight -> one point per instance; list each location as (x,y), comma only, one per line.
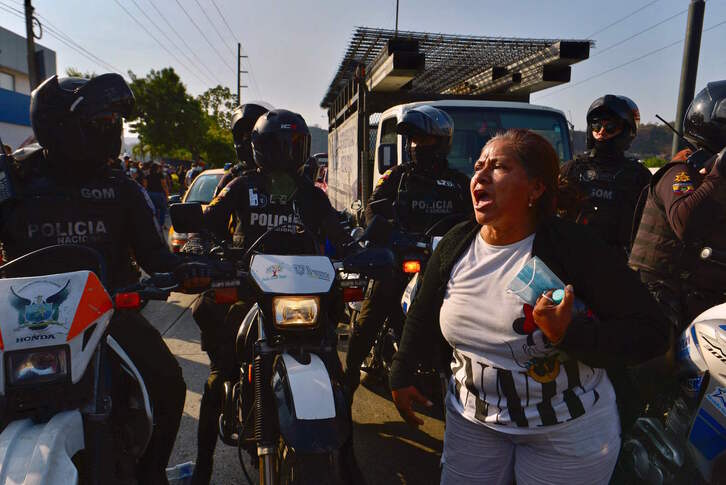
(295,311)
(37,366)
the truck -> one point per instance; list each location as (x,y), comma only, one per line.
(386,73)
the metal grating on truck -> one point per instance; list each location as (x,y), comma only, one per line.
(430,64)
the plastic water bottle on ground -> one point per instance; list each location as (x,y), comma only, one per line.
(180,474)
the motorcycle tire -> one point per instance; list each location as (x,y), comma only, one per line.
(309,469)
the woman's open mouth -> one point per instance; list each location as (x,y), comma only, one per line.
(482,199)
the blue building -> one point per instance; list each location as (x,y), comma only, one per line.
(15,128)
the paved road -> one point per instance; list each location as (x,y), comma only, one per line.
(388,451)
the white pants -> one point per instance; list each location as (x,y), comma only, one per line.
(583,452)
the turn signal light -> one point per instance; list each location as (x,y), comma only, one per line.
(128,301)
(353,293)
(225,295)
(411,267)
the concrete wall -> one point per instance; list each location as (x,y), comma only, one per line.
(13,49)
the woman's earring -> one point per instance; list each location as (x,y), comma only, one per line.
(530,204)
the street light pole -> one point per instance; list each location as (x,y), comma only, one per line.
(689,68)
(30,40)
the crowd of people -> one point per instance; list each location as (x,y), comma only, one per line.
(540,389)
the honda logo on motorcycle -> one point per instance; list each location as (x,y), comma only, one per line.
(34,338)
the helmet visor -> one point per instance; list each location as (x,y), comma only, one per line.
(102,133)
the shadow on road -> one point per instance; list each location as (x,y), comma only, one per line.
(404,446)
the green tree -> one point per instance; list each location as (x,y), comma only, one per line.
(218,102)
(166,118)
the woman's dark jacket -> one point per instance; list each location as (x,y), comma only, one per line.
(629,328)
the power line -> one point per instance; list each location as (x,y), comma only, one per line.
(203,35)
(214,27)
(173,44)
(157,40)
(623,18)
(224,20)
(600,52)
(200,61)
(70,44)
(647,54)
(251,71)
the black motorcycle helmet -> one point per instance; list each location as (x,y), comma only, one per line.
(244,118)
(705,122)
(81,119)
(621,107)
(427,121)
(280,141)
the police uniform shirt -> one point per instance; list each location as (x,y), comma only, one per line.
(420,199)
(257,211)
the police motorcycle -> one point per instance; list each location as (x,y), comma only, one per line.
(412,252)
(75,408)
(288,407)
(689,445)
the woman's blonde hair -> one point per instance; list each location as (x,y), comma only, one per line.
(540,162)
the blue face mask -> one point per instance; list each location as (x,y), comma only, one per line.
(534,279)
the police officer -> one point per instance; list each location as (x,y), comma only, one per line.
(604,186)
(65,193)
(275,194)
(685,212)
(414,195)
(211,317)
(244,118)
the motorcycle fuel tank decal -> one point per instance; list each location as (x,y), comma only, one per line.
(94,303)
(38,311)
(717,397)
(292,275)
(312,392)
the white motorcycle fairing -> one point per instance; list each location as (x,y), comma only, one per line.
(38,454)
(292,275)
(703,344)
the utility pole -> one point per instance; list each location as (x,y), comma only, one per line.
(239,73)
(30,39)
(689,68)
(396,18)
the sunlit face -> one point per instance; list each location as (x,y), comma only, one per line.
(501,191)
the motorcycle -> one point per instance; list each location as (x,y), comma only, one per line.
(75,407)
(288,406)
(412,254)
(689,445)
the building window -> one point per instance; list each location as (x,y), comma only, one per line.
(7,81)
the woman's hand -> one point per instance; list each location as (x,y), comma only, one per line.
(553,319)
(404,398)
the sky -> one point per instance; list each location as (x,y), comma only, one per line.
(294,47)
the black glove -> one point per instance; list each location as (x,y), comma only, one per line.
(193,277)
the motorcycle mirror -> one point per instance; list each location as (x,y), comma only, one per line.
(186,217)
(376,263)
(357,233)
(356,205)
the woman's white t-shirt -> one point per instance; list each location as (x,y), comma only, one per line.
(506,374)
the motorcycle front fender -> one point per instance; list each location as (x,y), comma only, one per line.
(40,454)
(312,411)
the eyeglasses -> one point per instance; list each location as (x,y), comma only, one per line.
(610,126)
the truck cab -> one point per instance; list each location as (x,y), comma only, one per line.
(475,122)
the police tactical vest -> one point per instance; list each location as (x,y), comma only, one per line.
(611,189)
(265,212)
(422,200)
(47,211)
(656,247)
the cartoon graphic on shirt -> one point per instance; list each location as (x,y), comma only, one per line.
(538,356)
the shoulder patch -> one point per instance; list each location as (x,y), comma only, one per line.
(384,177)
(682,183)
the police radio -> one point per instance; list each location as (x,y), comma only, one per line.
(7,190)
